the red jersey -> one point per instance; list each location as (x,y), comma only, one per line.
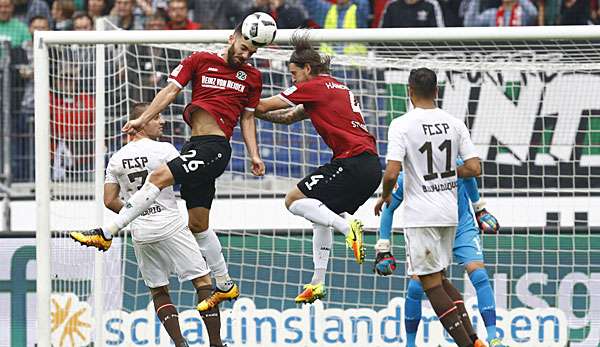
(219,89)
(334,113)
(72,116)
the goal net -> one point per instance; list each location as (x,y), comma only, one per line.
(529,98)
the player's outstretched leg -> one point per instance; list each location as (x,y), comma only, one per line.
(459,302)
(139,202)
(167,314)
(412,311)
(316,212)
(322,242)
(211,249)
(485,300)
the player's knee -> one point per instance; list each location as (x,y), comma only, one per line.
(197,226)
(162,177)
(159,291)
(415,290)
(292,196)
(473,266)
(202,281)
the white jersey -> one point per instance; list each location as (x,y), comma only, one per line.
(129,168)
(427,142)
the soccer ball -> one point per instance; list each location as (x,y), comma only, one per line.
(259,28)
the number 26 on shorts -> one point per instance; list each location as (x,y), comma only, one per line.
(191,165)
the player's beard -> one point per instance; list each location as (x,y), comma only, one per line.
(230,58)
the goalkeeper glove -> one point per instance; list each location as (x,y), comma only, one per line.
(486,222)
(385,263)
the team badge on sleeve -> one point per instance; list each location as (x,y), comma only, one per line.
(177,70)
(289,91)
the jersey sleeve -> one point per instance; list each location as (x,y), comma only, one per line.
(110,176)
(300,93)
(466,148)
(396,145)
(254,95)
(183,73)
(170,152)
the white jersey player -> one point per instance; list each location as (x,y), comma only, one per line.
(426,142)
(162,242)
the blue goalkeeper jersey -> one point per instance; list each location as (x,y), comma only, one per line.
(467,191)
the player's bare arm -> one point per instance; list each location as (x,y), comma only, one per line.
(112,201)
(471,168)
(248,126)
(392,170)
(285,116)
(166,96)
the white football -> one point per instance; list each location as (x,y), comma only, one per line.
(259,28)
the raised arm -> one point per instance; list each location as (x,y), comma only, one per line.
(471,168)
(166,96)
(248,126)
(112,201)
(276,110)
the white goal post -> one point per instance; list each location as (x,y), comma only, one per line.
(535,155)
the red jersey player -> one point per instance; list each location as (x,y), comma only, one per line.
(353,174)
(224,87)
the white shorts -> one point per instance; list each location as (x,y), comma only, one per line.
(177,254)
(428,249)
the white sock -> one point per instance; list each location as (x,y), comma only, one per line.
(322,242)
(210,246)
(135,206)
(316,212)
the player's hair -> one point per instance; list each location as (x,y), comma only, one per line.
(36,18)
(238,30)
(423,82)
(304,53)
(137,109)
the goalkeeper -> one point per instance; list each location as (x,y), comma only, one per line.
(467,250)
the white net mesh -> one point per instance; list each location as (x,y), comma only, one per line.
(533,112)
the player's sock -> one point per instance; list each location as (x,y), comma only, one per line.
(316,212)
(211,318)
(485,300)
(459,302)
(135,206)
(210,246)
(412,311)
(448,316)
(321,249)
(167,314)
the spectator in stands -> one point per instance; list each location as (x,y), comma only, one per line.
(22,123)
(510,13)
(548,12)
(82,22)
(218,14)
(38,8)
(62,11)
(594,12)
(72,122)
(344,14)
(12,28)
(286,16)
(575,12)
(178,16)
(122,15)
(412,14)
(97,8)
(158,21)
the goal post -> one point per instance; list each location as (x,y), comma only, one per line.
(527,94)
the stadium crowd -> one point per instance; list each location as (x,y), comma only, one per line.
(20,18)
